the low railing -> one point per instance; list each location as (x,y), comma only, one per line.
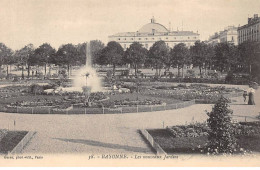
(242,118)
(134,109)
(19,147)
(155,145)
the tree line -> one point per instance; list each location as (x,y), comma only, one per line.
(223,57)
(67,55)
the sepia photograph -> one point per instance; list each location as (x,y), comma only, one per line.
(129,83)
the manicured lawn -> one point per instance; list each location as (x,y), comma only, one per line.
(10,140)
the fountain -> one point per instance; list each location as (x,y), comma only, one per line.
(87,75)
(86,78)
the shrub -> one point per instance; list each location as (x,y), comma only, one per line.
(36,89)
(221,135)
(2,75)
(192,130)
(190,73)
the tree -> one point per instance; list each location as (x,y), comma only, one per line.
(66,55)
(249,54)
(5,56)
(225,57)
(135,55)
(221,136)
(112,54)
(210,55)
(199,54)
(180,56)
(233,61)
(95,49)
(22,57)
(156,54)
(42,55)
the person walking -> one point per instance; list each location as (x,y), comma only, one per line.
(250,93)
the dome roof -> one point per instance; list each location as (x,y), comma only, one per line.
(153,27)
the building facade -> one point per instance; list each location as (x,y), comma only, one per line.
(250,31)
(229,35)
(152,32)
(214,39)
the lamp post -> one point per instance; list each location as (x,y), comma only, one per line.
(86,90)
(137,87)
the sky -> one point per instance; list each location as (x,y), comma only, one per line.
(59,22)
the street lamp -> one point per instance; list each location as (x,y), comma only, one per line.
(86,90)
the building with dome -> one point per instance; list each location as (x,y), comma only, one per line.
(152,32)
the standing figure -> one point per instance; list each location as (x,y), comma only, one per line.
(251,92)
(244,95)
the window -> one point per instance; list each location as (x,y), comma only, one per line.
(188,37)
(139,38)
(119,39)
(132,39)
(166,38)
(152,38)
(125,38)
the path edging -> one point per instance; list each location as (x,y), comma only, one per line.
(19,147)
(154,145)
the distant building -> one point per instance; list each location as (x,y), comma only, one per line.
(152,32)
(229,35)
(250,31)
(214,39)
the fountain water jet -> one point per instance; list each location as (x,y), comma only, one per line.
(87,76)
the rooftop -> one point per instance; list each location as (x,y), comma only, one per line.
(154,29)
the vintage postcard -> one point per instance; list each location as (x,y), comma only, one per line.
(140,83)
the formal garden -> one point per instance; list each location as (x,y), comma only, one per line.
(49,97)
(218,135)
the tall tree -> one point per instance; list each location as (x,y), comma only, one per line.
(22,57)
(180,56)
(210,55)
(95,49)
(112,54)
(249,53)
(66,55)
(156,54)
(199,54)
(225,57)
(135,55)
(43,54)
(5,56)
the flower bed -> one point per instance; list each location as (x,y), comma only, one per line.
(10,140)
(202,93)
(128,102)
(194,138)
(3,132)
